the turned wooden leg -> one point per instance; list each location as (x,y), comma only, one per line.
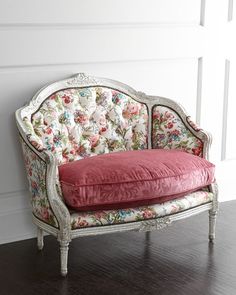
(212,225)
(40,238)
(64,247)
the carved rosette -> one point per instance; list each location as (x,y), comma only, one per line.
(155,224)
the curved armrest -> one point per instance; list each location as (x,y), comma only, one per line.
(172,128)
(201,134)
(54,193)
(47,204)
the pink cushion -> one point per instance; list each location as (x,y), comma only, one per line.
(122,179)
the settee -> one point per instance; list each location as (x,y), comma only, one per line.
(103,158)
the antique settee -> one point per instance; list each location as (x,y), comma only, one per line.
(81,134)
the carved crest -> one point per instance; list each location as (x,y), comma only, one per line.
(141,94)
(154,224)
(82,79)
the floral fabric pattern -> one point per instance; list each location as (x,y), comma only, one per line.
(169,132)
(36,174)
(109,217)
(82,122)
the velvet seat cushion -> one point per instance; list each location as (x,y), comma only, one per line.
(132,178)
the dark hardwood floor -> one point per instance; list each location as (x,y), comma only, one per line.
(177,260)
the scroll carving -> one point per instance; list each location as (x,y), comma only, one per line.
(154,224)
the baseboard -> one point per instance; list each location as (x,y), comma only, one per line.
(16,225)
(15,217)
(15,238)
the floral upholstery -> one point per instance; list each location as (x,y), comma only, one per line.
(81,122)
(36,173)
(108,217)
(169,132)
(75,123)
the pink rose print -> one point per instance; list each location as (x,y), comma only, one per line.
(156,116)
(80,118)
(48,130)
(94,140)
(133,108)
(103,129)
(147,214)
(45,214)
(80,150)
(197,151)
(169,115)
(99,215)
(53,96)
(81,223)
(67,99)
(174,209)
(170,125)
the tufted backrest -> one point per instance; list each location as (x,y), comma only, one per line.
(79,122)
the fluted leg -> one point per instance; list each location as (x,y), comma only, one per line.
(40,238)
(64,247)
(212,225)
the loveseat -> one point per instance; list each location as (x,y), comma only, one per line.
(103,158)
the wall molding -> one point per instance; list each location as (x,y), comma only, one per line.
(225,110)
(15,211)
(230,10)
(15,238)
(15,216)
(16,225)
(97,26)
(57,65)
(202,13)
(199,91)
(14,202)
(13,194)
(100,46)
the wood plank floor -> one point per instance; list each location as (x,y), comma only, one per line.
(177,261)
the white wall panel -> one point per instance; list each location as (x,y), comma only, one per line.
(156,46)
(100,12)
(16,225)
(212,102)
(14,201)
(51,46)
